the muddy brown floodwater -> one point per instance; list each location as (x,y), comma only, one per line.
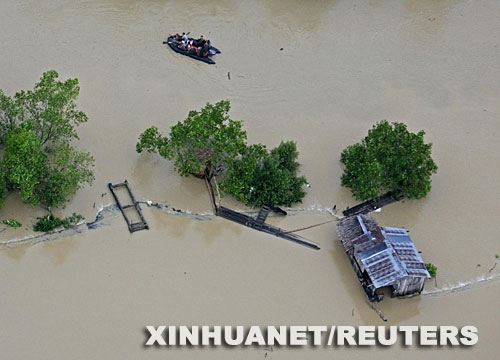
(88,294)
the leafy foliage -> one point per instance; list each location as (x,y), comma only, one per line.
(36,127)
(3,187)
(261,178)
(10,112)
(50,107)
(68,170)
(240,175)
(432,269)
(51,222)
(24,163)
(11,222)
(206,139)
(390,158)
(153,142)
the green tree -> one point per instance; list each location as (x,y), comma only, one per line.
(432,269)
(3,186)
(207,139)
(67,171)
(50,107)
(24,163)
(10,113)
(261,178)
(389,158)
(36,127)
(239,178)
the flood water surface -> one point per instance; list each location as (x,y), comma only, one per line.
(321,73)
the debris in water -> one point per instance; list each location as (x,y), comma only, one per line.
(132,227)
(379,313)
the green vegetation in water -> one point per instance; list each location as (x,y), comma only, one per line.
(11,222)
(210,143)
(51,222)
(432,269)
(259,177)
(36,128)
(206,139)
(389,158)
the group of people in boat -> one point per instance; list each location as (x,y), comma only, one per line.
(199,47)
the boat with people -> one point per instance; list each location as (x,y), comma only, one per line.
(199,49)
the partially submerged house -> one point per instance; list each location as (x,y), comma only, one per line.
(382,257)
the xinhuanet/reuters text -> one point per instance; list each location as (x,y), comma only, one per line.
(311,335)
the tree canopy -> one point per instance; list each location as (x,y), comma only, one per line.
(3,187)
(205,140)
(260,177)
(389,158)
(208,140)
(36,128)
(24,163)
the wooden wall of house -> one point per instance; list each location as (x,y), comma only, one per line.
(408,286)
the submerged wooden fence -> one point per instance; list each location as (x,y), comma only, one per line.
(132,227)
(262,226)
(257,223)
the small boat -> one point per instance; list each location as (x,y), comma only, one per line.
(174,46)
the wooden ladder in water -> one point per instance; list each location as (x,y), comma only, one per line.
(132,227)
(262,216)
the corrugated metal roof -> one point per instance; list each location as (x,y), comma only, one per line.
(406,250)
(381,265)
(387,254)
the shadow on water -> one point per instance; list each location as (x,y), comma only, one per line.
(299,15)
(15,253)
(213,231)
(59,250)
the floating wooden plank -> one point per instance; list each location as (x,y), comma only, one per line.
(372,205)
(132,227)
(259,222)
(270,229)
